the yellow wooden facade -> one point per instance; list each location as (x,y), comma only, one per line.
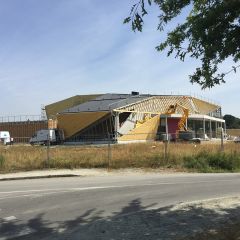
(72,123)
(147,131)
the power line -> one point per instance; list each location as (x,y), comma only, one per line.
(233,69)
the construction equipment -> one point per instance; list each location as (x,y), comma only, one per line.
(182,132)
(182,122)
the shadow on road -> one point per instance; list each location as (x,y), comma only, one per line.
(134,221)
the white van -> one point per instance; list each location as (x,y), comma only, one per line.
(53,136)
(5,137)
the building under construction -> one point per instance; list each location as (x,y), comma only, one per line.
(135,117)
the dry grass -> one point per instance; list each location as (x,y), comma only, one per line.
(144,155)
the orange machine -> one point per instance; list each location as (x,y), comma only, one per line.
(182,122)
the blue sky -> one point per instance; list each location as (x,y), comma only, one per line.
(51,50)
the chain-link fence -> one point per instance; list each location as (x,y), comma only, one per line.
(176,151)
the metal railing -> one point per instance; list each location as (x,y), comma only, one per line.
(20,118)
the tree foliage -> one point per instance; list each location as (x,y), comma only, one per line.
(231,121)
(210,32)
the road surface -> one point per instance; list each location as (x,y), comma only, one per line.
(63,208)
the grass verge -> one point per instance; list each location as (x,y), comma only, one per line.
(180,157)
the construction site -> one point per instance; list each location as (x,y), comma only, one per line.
(178,132)
(123,118)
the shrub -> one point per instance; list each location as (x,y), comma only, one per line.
(197,162)
(2,161)
(216,161)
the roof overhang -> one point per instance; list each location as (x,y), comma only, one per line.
(195,117)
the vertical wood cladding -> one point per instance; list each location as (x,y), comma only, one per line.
(22,131)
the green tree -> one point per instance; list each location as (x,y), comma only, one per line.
(231,121)
(210,32)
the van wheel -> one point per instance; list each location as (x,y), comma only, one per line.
(46,143)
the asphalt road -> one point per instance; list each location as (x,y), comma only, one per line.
(63,208)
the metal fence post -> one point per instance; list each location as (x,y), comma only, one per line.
(48,149)
(222,144)
(166,142)
(109,151)
(166,150)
